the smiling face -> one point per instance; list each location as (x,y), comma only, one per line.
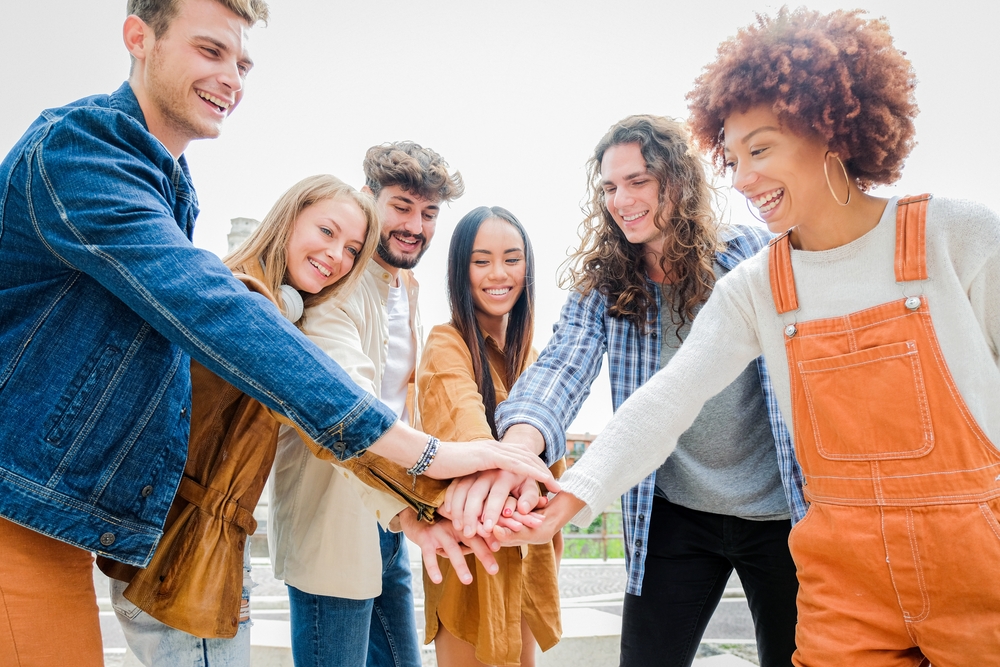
(326,238)
(408,222)
(779,171)
(631,195)
(190,78)
(496,272)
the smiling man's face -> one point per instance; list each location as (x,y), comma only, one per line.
(408,222)
(194,72)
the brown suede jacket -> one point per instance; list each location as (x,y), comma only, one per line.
(194,581)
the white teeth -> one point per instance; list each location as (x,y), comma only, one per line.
(768,200)
(630,218)
(320,269)
(213,99)
(499,291)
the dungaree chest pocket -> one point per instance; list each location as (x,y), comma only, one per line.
(869,405)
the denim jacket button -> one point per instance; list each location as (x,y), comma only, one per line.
(146,491)
(339,447)
(107,539)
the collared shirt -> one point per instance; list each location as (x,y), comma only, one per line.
(549,395)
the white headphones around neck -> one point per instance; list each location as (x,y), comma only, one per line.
(291,301)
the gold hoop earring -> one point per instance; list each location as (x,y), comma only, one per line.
(846,178)
(750,208)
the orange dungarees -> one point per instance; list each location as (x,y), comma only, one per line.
(898,556)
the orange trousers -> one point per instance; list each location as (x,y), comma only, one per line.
(48,607)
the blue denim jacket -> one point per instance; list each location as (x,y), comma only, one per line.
(102,299)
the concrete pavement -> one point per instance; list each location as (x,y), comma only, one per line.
(591,592)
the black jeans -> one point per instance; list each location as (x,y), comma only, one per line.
(690,557)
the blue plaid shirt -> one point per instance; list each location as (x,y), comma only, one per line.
(550,393)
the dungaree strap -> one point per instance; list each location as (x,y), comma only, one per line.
(911,253)
(911,245)
(782,280)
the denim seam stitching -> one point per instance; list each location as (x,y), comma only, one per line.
(148,298)
(95,415)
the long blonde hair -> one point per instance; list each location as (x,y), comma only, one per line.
(267,244)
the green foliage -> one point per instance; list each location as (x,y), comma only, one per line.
(609,525)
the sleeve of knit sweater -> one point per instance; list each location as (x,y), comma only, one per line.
(983,280)
(644,430)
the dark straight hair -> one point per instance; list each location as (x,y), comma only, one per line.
(520,320)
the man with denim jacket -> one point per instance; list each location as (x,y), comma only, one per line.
(102,300)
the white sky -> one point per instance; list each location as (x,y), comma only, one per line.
(514,94)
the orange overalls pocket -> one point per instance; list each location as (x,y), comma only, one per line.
(854,399)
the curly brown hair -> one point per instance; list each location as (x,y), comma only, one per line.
(416,169)
(607,262)
(837,74)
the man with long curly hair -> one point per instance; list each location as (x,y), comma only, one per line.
(650,252)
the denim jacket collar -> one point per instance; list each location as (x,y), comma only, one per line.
(124,100)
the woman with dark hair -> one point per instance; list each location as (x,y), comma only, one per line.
(467,367)
(880,323)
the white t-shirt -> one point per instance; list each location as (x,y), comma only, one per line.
(402,354)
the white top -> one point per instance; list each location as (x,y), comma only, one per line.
(401,359)
(739,322)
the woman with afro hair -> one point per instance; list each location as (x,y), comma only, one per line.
(880,324)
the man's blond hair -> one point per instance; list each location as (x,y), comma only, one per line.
(158,14)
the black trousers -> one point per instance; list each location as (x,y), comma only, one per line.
(690,557)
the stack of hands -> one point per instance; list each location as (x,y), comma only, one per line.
(503,505)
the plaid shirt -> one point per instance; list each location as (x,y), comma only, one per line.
(550,393)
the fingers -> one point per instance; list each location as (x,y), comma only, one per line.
(508,506)
(527,496)
(531,520)
(459,489)
(429,553)
(522,463)
(499,492)
(474,502)
(483,552)
(448,542)
(511,524)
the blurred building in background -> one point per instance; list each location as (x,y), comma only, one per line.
(240,229)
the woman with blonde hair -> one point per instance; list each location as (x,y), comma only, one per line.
(190,606)
(880,323)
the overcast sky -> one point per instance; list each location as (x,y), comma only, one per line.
(514,94)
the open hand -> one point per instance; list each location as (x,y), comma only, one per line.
(441,539)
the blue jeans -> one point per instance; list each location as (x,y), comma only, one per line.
(158,645)
(338,632)
(393,637)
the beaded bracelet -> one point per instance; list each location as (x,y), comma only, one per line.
(427,458)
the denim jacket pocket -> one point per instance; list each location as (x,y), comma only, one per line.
(82,396)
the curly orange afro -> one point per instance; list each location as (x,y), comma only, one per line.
(836,74)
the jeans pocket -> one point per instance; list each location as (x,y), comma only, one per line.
(121,605)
